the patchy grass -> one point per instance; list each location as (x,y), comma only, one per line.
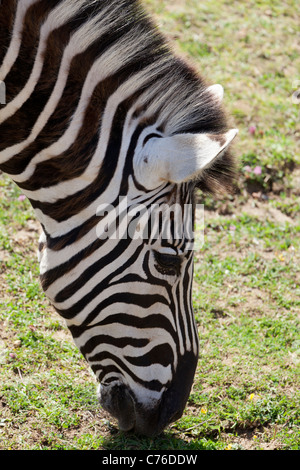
(247,308)
(250,48)
(246,290)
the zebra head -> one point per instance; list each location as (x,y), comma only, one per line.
(124,284)
(135,324)
(108,134)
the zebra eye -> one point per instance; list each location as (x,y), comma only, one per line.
(167,264)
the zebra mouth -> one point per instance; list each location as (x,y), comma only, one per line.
(151,416)
(131,415)
(117,400)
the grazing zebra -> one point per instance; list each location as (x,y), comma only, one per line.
(99,120)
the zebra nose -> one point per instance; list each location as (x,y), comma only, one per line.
(116,399)
(131,415)
(153,416)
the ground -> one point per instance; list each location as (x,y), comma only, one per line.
(246,283)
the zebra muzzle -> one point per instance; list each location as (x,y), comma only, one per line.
(116,399)
(150,417)
(119,401)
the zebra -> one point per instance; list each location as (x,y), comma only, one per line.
(99,112)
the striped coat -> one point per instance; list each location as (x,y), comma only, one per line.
(99,113)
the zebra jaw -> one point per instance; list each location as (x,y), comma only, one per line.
(179,158)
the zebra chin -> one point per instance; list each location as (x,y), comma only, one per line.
(151,417)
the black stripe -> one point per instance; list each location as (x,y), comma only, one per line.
(65,208)
(93,342)
(22,68)
(161,354)
(155,320)
(155,385)
(59,243)
(7,16)
(102,372)
(142,300)
(151,136)
(187,300)
(28,114)
(110,258)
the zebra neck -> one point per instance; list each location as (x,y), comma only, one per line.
(82,80)
(71,72)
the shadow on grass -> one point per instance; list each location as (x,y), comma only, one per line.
(166,441)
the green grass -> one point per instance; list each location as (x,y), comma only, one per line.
(248,47)
(247,273)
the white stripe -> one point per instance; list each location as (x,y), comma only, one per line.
(124,91)
(108,64)
(79,42)
(185,317)
(50,259)
(194,327)
(155,336)
(134,288)
(143,395)
(117,308)
(84,264)
(15,43)
(145,374)
(60,15)
(121,331)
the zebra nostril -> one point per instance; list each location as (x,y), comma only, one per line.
(116,399)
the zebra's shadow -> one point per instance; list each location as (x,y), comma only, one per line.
(129,441)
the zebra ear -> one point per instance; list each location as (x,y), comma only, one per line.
(217,91)
(179,158)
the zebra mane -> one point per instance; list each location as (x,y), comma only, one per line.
(188,107)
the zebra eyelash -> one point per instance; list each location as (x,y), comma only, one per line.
(167,264)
